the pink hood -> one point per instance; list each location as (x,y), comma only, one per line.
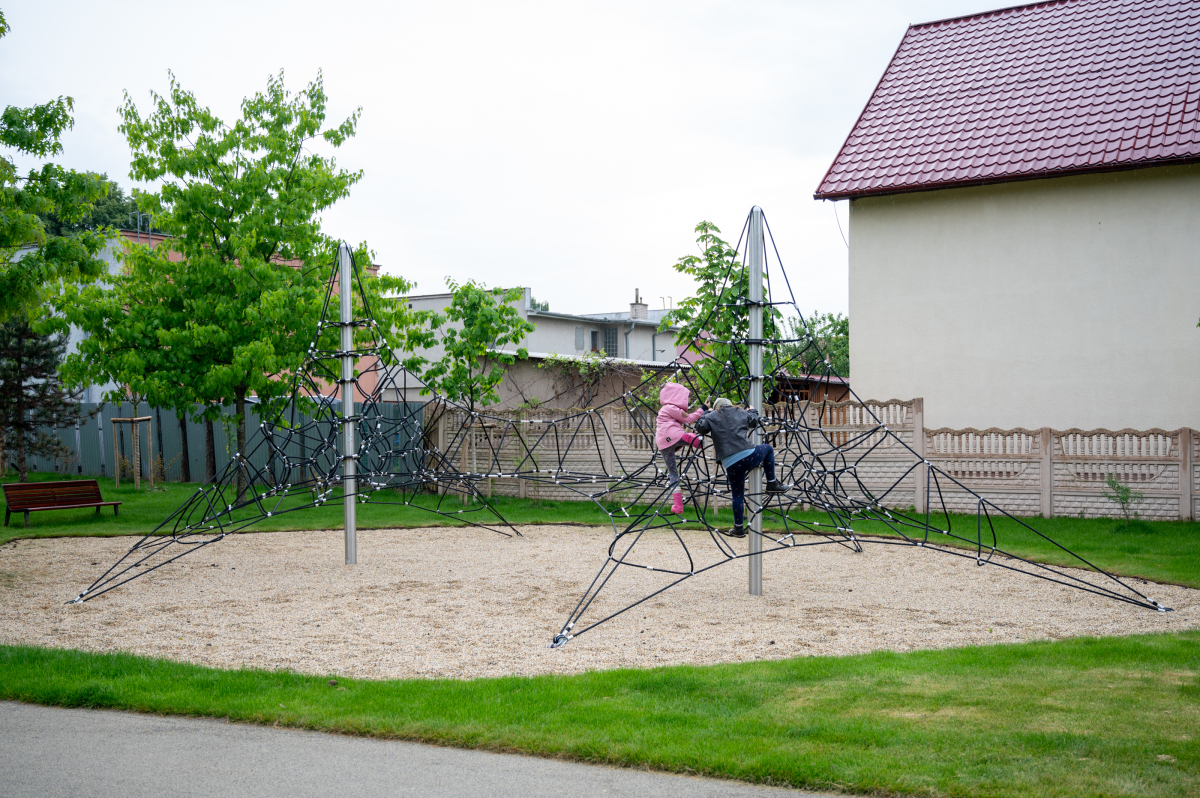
(673,415)
(675,394)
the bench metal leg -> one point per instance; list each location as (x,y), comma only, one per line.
(116,510)
(7,515)
(26,518)
(97,509)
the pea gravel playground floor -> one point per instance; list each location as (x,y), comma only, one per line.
(464,603)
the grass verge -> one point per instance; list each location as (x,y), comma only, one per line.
(1082,717)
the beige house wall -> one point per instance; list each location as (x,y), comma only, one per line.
(1067,302)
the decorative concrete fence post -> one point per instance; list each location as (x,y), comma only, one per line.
(1187,510)
(1047,472)
(919,445)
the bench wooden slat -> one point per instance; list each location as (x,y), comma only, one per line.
(66,506)
(32,497)
(22,494)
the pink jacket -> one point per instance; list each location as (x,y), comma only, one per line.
(673,415)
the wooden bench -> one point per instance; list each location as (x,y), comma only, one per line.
(32,497)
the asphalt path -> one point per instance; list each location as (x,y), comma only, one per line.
(47,752)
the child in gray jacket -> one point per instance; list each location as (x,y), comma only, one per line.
(728,427)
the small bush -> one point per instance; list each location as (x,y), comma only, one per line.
(1122,494)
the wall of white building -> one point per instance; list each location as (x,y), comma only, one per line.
(569,335)
(1065,302)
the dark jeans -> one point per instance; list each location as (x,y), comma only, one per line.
(763,456)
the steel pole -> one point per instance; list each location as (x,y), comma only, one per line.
(349,488)
(755,257)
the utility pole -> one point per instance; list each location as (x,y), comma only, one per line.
(349,487)
(756,256)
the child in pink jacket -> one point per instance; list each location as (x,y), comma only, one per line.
(670,435)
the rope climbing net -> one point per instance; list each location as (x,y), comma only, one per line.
(437,456)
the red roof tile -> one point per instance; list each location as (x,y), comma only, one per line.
(1033,91)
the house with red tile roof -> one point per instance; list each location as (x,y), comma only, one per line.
(1024,191)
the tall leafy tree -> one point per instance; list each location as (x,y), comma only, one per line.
(242,201)
(228,306)
(473,360)
(32,397)
(716,318)
(36,263)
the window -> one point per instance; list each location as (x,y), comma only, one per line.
(595,341)
(578,339)
(610,341)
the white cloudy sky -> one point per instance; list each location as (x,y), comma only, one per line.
(570,147)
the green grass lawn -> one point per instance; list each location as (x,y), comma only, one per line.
(1167,551)
(1083,717)
(1164,551)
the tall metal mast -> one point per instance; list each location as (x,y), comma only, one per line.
(756,257)
(349,488)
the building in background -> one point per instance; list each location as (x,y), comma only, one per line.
(1024,193)
(628,339)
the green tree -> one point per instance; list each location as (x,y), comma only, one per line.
(472,364)
(35,263)
(536,305)
(139,336)
(32,397)
(716,319)
(242,202)
(824,345)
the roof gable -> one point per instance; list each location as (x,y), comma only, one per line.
(1033,91)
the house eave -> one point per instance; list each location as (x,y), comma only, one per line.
(1012,178)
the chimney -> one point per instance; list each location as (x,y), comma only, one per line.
(637,308)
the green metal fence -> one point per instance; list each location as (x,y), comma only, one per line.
(94,446)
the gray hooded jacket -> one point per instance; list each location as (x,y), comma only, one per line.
(728,427)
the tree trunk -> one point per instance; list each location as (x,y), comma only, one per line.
(210,451)
(122,460)
(136,438)
(160,458)
(22,465)
(240,421)
(185,470)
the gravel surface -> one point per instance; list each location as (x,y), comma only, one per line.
(465,603)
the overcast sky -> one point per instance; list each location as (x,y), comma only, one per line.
(570,147)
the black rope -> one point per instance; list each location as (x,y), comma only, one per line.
(296,465)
